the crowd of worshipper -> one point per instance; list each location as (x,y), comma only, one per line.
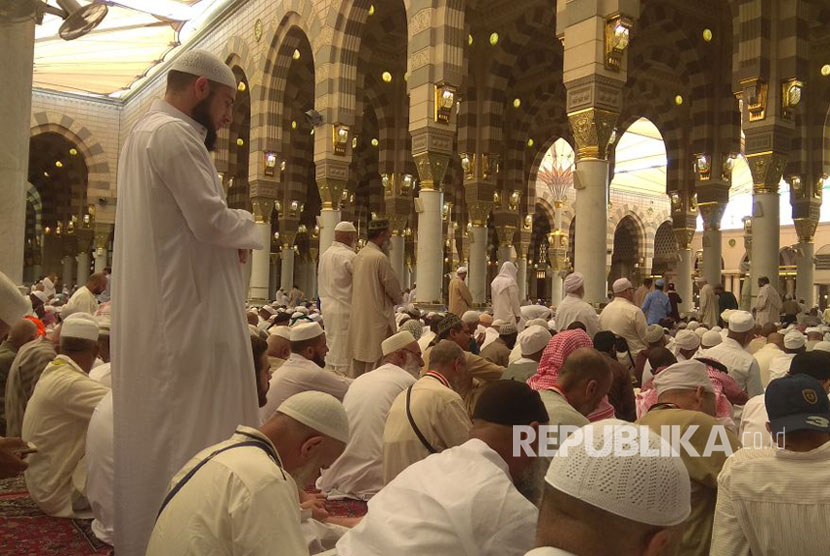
(515,428)
(421,425)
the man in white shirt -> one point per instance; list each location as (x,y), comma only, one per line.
(774,500)
(622,503)
(742,366)
(85,299)
(240,496)
(773,347)
(102,370)
(753,430)
(623,318)
(57,418)
(814,336)
(476,499)
(767,307)
(334,282)
(358,473)
(794,343)
(574,309)
(532,343)
(265,316)
(304,369)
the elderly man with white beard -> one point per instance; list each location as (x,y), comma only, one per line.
(358,473)
(240,496)
(477,498)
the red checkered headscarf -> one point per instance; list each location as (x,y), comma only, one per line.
(554,356)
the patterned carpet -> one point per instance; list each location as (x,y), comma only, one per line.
(25,530)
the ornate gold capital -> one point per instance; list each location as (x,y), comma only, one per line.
(262,208)
(767,168)
(684,237)
(712,213)
(506,233)
(479,213)
(102,235)
(331,191)
(398,223)
(592,129)
(805,228)
(431,169)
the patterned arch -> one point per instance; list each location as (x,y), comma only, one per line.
(101,181)
(33,198)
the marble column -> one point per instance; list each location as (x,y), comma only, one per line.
(300,274)
(766,227)
(712,213)
(261,258)
(685,269)
(591,239)
(329,218)
(67,277)
(522,278)
(17,44)
(287,270)
(83,268)
(477,278)
(805,270)
(274,274)
(430,241)
(100,259)
(397,255)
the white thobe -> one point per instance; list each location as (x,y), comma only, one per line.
(708,306)
(183,373)
(624,319)
(573,309)
(506,306)
(490,336)
(780,366)
(296,375)
(101,469)
(752,430)
(82,301)
(334,283)
(49,288)
(764,357)
(103,374)
(773,502)
(740,365)
(767,306)
(358,472)
(460,502)
(549,551)
(56,421)
(239,502)
(426,338)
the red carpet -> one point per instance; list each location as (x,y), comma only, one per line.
(25,530)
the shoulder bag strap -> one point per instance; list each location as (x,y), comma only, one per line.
(415,428)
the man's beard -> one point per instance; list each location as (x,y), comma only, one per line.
(320,361)
(531,481)
(201,113)
(306,475)
(411,366)
(386,246)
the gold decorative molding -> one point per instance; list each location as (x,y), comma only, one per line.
(331,191)
(754,96)
(262,208)
(767,168)
(506,233)
(806,229)
(479,212)
(712,213)
(431,169)
(592,129)
(684,237)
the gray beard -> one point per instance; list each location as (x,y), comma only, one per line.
(531,482)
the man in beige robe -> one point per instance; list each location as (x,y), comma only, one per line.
(708,304)
(460,298)
(375,292)
(767,306)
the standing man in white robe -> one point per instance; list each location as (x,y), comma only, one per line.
(504,291)
(334,281)
(767,306)
(708,304)
(574,309)
(181,351)
(85,299)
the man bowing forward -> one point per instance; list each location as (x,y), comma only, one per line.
(182,368)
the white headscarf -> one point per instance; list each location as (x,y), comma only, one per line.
(506,278)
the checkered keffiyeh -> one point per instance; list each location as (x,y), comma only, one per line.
(554,356)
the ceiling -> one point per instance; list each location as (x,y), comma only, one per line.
(129,45)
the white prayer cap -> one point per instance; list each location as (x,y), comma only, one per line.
(685,375)
(693,324)
(12,305)
(507,328)
(345,226)
(461,270)
(813,330)
(319,411)
(533,339)
(281,331)
(533,322)
(573,282)
(653,490)
(686,340)
(470,317)
(497,323)
(653,333)
(254,330)
(40,295)
(741,321)
(397,341)
(296,315)
(621,285)
(717,328)
(305,331)
(710,339)
(204,64)
(301,309)
(431,314)
(316,317)
(270,310)
(822,346)
(80,325)
(701,331)
(726,314)
(794,340)
(104,324)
